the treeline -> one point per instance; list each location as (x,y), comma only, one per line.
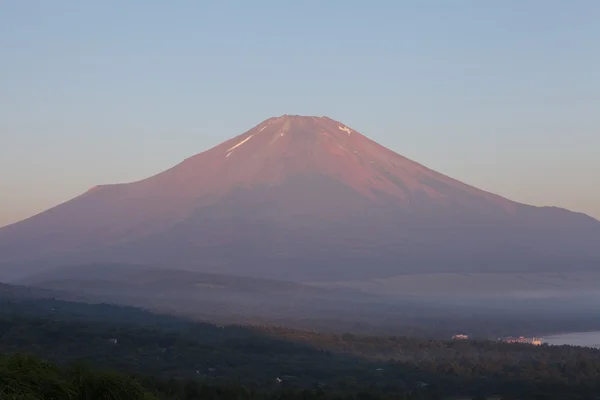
(176,359)
(415,349)
(29,378)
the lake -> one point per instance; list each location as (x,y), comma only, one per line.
(584,339)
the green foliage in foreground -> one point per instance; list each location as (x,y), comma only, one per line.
(27,378)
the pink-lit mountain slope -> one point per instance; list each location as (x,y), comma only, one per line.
(304,198)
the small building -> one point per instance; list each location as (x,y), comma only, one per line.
(460,337)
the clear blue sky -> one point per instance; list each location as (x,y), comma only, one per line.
(504,95)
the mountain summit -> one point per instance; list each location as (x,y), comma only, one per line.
(304,198)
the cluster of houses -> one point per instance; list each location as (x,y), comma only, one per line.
(524,340)
(534,341)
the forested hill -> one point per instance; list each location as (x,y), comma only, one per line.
(270,360)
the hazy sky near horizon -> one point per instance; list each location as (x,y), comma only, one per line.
(503,95)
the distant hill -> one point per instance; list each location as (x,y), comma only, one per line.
(150,279)
(25,292)
(212,297)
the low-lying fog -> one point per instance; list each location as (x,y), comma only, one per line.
(437,305)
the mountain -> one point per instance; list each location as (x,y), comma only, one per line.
(304,199)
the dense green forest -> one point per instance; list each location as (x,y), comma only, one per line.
(174,358)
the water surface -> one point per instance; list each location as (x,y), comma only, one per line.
(584,339)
